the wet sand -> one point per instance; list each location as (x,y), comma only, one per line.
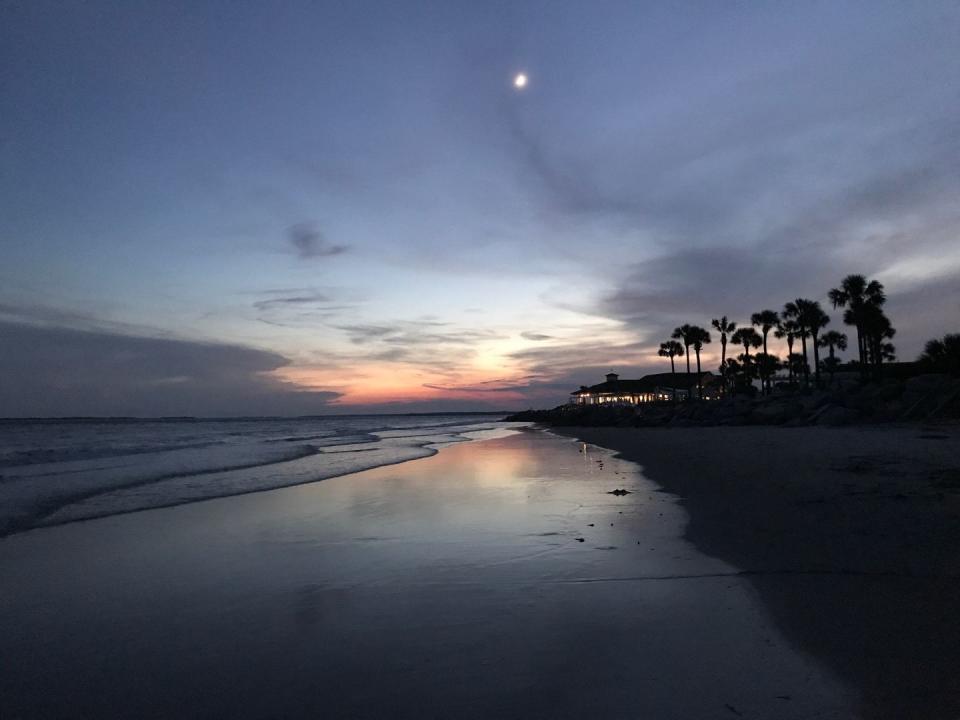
(851,536)
(495,579)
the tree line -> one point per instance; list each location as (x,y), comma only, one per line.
(800,321)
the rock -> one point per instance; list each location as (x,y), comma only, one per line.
(619,491)
(823,399)
(921,384)
(923,394)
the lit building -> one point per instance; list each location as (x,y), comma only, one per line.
(659,387)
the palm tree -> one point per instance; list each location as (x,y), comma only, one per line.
(787,329)
(813,319)
(877,330)
(766,320)
(724,327)
(685,334)
(767,365)
(748,337)
(801,312)
(855,294)
(700,338)
(796,362)
(834,340)
(670,349)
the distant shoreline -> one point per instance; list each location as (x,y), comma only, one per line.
(849,535)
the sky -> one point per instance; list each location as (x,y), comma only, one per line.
(244,208)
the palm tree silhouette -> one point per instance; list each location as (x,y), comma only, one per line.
(856,293)
(834,340)
(700,338)
(685,334)
(877,331)
(813,319)
(767,365)
(748,337)
(670,349)
(724,327)
(802,312)
(787,329)
(766,320)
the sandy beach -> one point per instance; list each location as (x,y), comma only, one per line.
(496,579)
(850,537)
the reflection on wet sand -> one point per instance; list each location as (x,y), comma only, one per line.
(495,579)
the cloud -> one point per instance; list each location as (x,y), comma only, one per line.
(751,186)
(309,242)
(535,336)
(59,371)
(362,334)
(558,360)
(510,385)
(416,333)
(315,298)
(918,314)
(297,308)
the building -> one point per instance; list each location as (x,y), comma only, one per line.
(659,387)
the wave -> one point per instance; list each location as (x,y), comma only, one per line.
(38,491)
(100,480)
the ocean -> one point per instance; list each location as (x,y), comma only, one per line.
(57,471)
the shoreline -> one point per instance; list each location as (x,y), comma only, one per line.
(848,535)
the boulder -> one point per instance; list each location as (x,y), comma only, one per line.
(922,384)
(923,394)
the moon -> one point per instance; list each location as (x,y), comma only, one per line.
(520,81)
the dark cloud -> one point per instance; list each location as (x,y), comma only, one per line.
(300,308)
(563,360)
(490,386)
(362,334)
(315,298)
(58,371)
(309,242)
(441,405)
(415,333)
(696,285)
(535,336)
(58,317)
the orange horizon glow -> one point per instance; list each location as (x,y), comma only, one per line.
(377,384)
